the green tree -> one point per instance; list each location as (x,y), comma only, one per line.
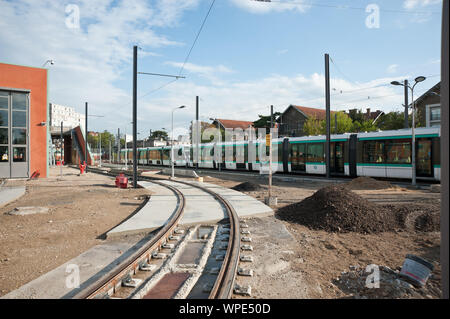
(391,121)
(159,134)
(363,126)
(313,126)
(264,121)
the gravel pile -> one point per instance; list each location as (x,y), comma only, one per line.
(248,187)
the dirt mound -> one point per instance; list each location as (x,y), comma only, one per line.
(368,183)
(338,209)
(247,187)
(423,217)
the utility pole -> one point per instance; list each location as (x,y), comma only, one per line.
(110,159)
(327,107)
(134,116)
(86,153)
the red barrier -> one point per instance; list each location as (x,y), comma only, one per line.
(121,181)
(82,167)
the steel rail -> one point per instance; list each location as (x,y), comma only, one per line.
(113,279)
(224,284)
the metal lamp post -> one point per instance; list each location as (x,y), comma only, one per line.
(172,156)
(413,146)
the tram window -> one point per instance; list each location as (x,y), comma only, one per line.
(315,152)
(398,151)
(373,152)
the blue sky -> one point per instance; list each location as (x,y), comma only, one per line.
(248,56)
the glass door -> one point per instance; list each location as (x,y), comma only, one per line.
(5,167)
(19,135)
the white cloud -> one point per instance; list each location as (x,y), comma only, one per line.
(89,60)
(412,4)
(265,7)
(281,52)
(391,69)
(209,72)
(245,100)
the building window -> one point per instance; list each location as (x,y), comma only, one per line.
(433,115)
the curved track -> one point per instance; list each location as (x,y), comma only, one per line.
(224,284)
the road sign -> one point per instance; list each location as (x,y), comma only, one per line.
(268,139)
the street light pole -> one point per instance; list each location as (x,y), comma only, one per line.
(413,135)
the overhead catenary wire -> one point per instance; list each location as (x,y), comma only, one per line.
(197,36)
(323,5)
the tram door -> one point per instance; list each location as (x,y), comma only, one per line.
(337,158)
(298,157)
(424,166)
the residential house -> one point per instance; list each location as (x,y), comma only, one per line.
(293,119)
(428,107)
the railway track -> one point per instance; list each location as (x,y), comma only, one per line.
(122,274)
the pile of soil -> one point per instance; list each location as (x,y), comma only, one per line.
(338,209)
(368,183)
(425,217)
(247,187)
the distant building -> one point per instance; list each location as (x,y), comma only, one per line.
(67,115)
(428,107)
(293,119)
(232,124)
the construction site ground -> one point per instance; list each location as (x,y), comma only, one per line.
(294,261)
(81,209)
(290,259)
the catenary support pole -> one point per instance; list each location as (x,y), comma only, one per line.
(86,152)
(197,131)
(118,146)
(406,103)
(327,108)
(444,147)
(134,117)
(61,148)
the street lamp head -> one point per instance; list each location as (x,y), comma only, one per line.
(396,83)
(420,79)
(182,107)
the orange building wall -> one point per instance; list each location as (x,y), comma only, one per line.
(35,80)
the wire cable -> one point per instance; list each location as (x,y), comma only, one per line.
(197,36)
